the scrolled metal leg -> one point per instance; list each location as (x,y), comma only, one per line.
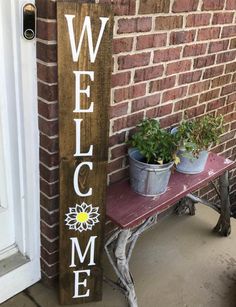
(223,225)
(186,206)
(119,257)
(123,266)
(119,248)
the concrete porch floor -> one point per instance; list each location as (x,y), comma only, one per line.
(178,263)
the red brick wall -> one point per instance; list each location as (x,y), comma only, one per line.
(48,125)
(170,57)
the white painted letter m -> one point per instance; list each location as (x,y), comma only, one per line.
(76,247)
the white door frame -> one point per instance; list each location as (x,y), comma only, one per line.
(27,210)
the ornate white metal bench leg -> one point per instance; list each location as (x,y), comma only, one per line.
(119,255)
(223,225)
(123,266)
(186,206)
(119,249)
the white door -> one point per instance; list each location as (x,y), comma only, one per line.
(7,229)
(8,146)
(19,146)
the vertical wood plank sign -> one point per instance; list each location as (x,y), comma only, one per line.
(84,72)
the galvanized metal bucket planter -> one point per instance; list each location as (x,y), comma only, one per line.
(148,179)
(191,165)
(188,163)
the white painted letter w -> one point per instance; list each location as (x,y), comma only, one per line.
(86,27)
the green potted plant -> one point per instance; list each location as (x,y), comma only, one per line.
(195,138)
(151,157)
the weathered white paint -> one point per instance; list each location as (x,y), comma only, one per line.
(86,28)
(19,107)
(78,152)
(78,283)
(76,179)
(79,91)
(8,149)
(75,246)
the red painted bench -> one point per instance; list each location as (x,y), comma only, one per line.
(133,213)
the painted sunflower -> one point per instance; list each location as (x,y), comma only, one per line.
(82,217)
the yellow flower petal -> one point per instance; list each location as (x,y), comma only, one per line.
(82,217)
(176,160)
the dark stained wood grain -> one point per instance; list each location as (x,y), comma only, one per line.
(94,130)
(127,209)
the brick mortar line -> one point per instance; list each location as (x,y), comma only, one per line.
(120,145)
(177,61)
(50,226)
(119,158)
(127,129)
(49,277)
(47,20)
(133,84)
(50,137)
(167,47)
(177,85)
(50,212)
(123,168)
(48,120)
(49,183)
(47,101)
(116,146)
(46,42)
(161,117)
(48,251)
(49,198)
(137,7)
(225,3)
(48,64)
(48,239)
(47,83)
(43,207)
(141,110)
(153,24)
(50,168)
(173,112)
(173,88)
(49,265)
(179,45)
(229,132)
(174,30)
(171,5)
(48,104)
(172,14)
(165,116)
(200,5)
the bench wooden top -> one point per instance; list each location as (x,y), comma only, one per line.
(127,209)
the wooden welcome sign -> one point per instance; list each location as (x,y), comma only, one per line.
(84,72)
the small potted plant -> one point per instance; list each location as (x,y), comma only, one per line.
(151,158)
(195,138)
